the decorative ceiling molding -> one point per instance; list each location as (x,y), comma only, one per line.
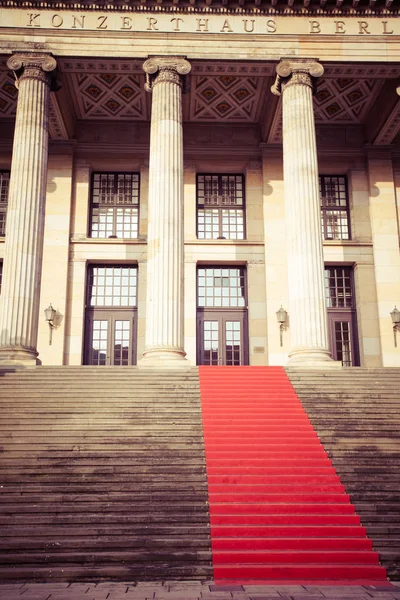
(233,68)
(90,65)
(8,94)
(57,128)
(275,132)
(390,129)
(344,99)
(223,98)
(109,95)
(364,71)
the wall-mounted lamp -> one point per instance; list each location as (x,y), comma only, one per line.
(50,313)
(395,314)
(282,316)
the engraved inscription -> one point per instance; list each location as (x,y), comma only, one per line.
(212,24)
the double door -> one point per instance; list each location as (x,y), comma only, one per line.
(110,337)
(342,316)
(343,337)
(222,338)
(222,329)
(111,315)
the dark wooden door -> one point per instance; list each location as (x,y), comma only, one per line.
(110,337)
(222,328)
(111,315)
(342,316)
(342,337)
(222,338)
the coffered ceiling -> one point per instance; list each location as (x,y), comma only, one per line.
(99,90)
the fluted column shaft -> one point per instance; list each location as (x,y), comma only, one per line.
(308,316)
(19,312)
(164,304)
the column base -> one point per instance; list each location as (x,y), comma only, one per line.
(18,356)
(312,358)
(164,358)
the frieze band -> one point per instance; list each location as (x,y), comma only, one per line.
(210,23)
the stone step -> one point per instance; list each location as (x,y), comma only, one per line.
(130,530)
(48,507)
(141,478)
(372,400)
(356,414)
(143,556)
(153,572)
(102,519)
(148,396)
(92,449)
(102,543)
(93,463)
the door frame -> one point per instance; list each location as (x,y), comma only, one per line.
(110,314)
(222,315)
(336,315)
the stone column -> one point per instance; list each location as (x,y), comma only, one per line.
(19,312)
(307,309)
(164,301)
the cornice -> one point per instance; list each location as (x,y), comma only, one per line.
(315,8)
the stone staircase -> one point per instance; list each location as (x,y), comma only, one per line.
(102,475)
(356,413)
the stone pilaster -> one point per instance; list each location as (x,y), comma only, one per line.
(307,309)
(19,311)
(164,301)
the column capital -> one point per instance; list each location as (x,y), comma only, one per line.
(34,65)
(166,68)
(296,71)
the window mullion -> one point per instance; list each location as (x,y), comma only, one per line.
(114,227)
(219,206)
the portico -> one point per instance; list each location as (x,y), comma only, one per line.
(226,182)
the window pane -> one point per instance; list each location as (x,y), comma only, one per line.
(121,343)
(338,287)
(111,192)
(207,224)
(232,335)
(118,291)
(336,225)
(232,224)
(98,355)
(211,343)
(220,207)
(221,287)
(334,207)
(4,187)
(343,342)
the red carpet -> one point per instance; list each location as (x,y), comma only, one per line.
(278,510)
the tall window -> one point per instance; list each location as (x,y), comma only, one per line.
(222,330)
(221,287)
(334,207)
(111,315)
(114,286)
(220,207)
(4,185)
(339,287)
(342,322)
(115,205)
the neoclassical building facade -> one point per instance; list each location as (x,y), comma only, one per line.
(174,174)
